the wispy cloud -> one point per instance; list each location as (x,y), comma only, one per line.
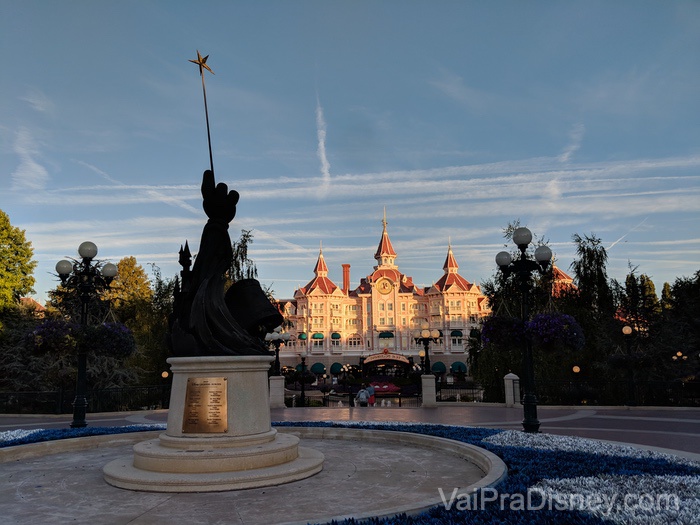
(321,151)
(575,136)
(29,174)
(454,87)
(38,100)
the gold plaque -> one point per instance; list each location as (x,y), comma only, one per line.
(205,405)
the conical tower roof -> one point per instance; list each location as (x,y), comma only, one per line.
(385,248)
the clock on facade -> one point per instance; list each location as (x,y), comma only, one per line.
(384,286)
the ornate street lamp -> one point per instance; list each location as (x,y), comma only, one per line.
(426,336)
(277,338)
(523,267)
(88,281)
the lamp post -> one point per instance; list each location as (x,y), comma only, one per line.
(277,338)
(302,397)
(421,354)
(523,267)
(426,336)
(88,281)
(627,333)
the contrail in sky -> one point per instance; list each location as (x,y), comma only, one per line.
(321,151)
(172,201)
(626,234)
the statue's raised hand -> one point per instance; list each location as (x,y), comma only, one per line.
(219,203)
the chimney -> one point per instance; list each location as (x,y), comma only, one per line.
(346,278)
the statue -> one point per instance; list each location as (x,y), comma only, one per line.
(205,321)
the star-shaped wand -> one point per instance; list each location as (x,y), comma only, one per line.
(202,63)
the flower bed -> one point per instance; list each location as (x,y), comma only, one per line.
(551,479)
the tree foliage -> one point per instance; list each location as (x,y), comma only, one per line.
(150,328)
(241,266)
(16,264)
(130,286)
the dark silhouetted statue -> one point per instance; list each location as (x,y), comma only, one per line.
(206,321)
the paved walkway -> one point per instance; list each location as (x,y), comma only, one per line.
(677,429)
(358,476)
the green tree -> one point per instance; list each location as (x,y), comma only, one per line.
(666,298)
(151,329)
(639,304)
(591,276)
(130,285)
(241,266)
(19,369)
(680,331)
(593,304)
(16,264)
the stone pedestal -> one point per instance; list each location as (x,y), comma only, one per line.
(218,435)
(512,389)
(277,392)
(428,391)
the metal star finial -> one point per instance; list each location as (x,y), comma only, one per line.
(202,63)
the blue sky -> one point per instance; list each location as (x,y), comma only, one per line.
(457,117)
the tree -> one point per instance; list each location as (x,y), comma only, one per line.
(16,264)
(241,266)
(151,328)
(593,304)
(590,274)
(666,298)
(680,330)
(19,369)
(131,283)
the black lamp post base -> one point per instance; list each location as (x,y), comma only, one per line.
(79,412)
(532,427)
(530,422)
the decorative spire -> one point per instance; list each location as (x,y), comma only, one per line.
(321,269)
(450,265)
(385,250)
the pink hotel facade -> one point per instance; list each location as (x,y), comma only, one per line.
(335,325)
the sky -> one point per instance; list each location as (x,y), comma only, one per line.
(456,117)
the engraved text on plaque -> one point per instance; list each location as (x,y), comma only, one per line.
(205,405)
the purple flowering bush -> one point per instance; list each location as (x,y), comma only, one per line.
(111,339)
(554,329)
(57,336)
(548,330)
(53,335)
(503,331)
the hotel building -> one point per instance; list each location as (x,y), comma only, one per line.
(335,325)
